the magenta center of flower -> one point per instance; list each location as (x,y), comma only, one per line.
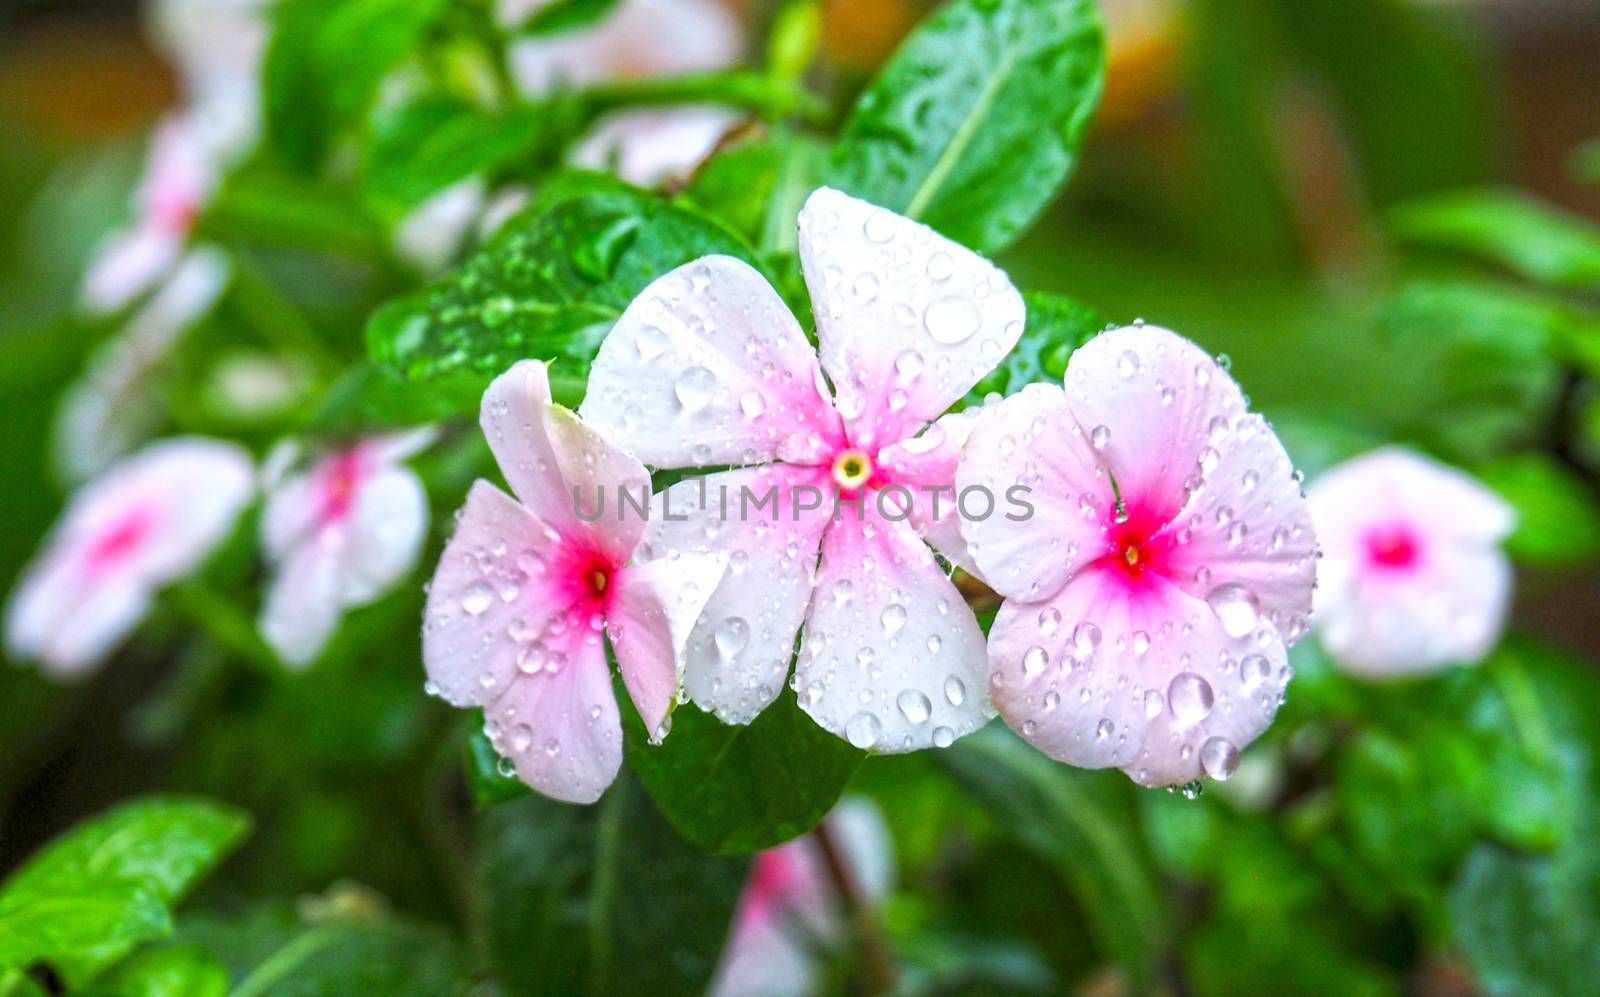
(1393,547)
(339,484)
(1136,550)
(120,538)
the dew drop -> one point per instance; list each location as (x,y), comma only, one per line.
(914,706)
(1236,609)
(951,320)
(863,730)
(893,618)
(1034,660)
(694,388)
(1190,698)
(732,636)
(478,598)
(955,691)
(1219,758)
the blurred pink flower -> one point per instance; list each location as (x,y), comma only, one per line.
(181,173)
(1412,576)
(1167,567)
(217,47)
(708,367)
(527,588)
(148,521)
(790,906)
(641,38)
(341,534)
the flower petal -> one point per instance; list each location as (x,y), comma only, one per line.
(652,611)
(556,464)
(645,147)
(1247,528)
(561,728)
(1451,610)
(198,487)
(908,321)
(474,638)
(925,467)
(1030,441)
(1100,675)
(739,651)
(893,660)
(303,607)
(384,535)
(1151,402)
(708,366)
(1394,484)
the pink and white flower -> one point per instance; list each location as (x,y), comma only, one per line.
(708,367)
(341,534)
(1168,565)
(148,521)
(217,47)
(641,38)
(181,174)
(1413,577)
(528,589)
(791,906)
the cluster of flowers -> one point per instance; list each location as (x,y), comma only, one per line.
(1150,596)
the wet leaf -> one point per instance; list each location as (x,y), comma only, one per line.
(976,121)
(733,788)
(1056,326)
(1506,228)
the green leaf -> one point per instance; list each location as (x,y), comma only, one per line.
(120,872)
(975,122)
(1526,923)
(602,899)
(1056,326)
(370,396)
(1084,825)
(550,286)
(419,148)
(742,788)
(1507,228)
(340,946)
(324,63)
(759,187)
(1557,520)
(167,971)
(565,15)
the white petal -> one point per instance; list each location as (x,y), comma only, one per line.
(647,147)
(385,531)
(707,366)
(738,654)
(431,235)
(892,659)
(908,320)
(652,611)
(303,607)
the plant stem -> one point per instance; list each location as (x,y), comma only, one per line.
(880,963)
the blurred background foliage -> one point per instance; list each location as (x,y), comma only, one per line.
(1381,210)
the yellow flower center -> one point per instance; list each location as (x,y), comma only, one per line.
(852,469)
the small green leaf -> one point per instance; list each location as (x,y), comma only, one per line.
(565,15)
(1084,825)
(602,899)
(1056,326)
(370,396)
(742,788)
(549,286)
(419,148)
(1507,228)
(975,122)
(120,872)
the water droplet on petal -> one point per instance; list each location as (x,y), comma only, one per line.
(863,730)
(955,691)
(951,320)
(478,598)
(1219,758)
(1190,698)
(1236,608)
(914,706)
(694,388)
(1034,660)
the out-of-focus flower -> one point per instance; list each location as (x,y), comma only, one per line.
(528,588)
(112,407)
(1412,576)
(1167,565)
(708,367)
(180,175)
(147,522)
(341,534)
(790,908)
(641,38)
(217,47)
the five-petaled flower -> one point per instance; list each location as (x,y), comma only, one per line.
(708,367)
(1413,576)
(146,522)
(341,533)
(1152,596)
(527,591)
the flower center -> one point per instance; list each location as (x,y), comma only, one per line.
(120,539)
(1393,546)
(339,485)
(852,469)
(599,580)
